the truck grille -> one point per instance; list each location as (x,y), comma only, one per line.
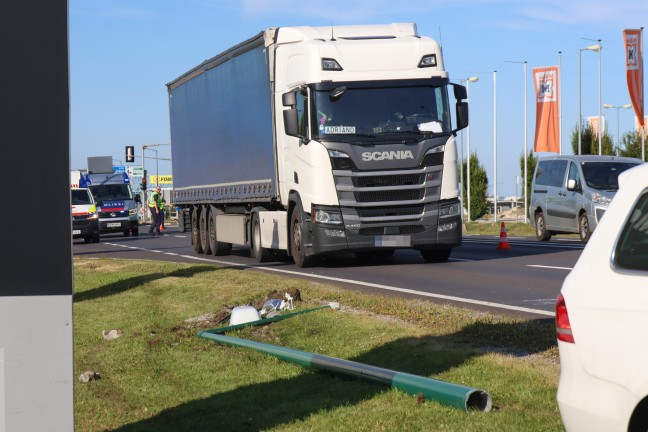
(390,211)
(404,229)
(389,195)
(391,180)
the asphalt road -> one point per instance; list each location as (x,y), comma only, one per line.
(521,281)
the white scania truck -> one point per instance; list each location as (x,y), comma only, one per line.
(319,140)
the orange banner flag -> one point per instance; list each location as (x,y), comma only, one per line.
(547,107)
(634,70)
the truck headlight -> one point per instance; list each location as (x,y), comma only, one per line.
(451,210)
(326,215)
(601,199)
(93,215)
(132,212)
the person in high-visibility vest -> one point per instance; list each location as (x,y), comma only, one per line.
(154,207)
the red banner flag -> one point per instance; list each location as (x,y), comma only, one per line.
(547,107)
(634,70)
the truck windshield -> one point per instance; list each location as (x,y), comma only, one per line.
(604,175)
(392,112)
(111,192)
(81,197)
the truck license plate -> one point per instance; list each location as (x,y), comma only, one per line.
(113,224)
(393,241)
(75,232)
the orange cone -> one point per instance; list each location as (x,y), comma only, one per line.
(503,243)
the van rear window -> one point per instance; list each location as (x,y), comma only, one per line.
(551,173)
(632,249)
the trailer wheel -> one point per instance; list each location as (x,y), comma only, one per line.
(181,220)
(297,248)
(216,247)
(259,253)
(195,231)
(204,233)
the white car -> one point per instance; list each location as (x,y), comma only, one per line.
(602,319)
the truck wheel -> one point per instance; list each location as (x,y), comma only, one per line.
(297,248)
(435,255)
(259,253)
(204,232)
(216,247)
(583,228)
(181,220)
(195,231)
(541,228)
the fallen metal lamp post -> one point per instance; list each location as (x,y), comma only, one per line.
(455,395)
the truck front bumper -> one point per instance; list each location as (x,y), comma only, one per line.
(328,239)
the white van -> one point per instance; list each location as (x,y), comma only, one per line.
(570,194)
(85,219)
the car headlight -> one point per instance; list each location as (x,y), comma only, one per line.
(93,215)
(451,210)
(326,216)
(600,199)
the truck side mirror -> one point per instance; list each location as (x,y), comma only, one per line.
(462,115)
(290,122)
(460,92)
(571,185)
(289,99)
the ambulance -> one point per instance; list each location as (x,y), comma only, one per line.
(85,219)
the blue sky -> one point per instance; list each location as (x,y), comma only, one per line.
(123,52)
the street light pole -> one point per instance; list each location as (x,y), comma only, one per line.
(595,48)
(461,177)
(617,107)
(495,142)
(600,127)
(525,135)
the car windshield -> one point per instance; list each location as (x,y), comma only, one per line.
(392,112)
(81,197)
(604,175)
(111,192)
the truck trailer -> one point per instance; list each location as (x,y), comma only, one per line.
(319,140)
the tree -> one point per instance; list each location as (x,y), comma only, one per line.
(531,164)
(589,141)
(478,187)
(630,145)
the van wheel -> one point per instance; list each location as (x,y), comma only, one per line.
(583,228)
(541,227)
(297,248)
(259,253)
(195,231)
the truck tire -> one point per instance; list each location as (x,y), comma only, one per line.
(435,255)
(204,232)
(216,247)
(181,220)
(257,252)
(195,230)
(583,228)
(541,227)
(297,248)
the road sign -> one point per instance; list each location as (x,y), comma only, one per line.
(119,168)
(135,171)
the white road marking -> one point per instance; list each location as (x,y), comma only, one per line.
(549,267)
(367,284)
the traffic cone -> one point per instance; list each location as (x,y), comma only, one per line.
(503,243)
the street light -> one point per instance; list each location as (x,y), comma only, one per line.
(617,107)
(467,81)
(596,48)
(495,142)
(525,138)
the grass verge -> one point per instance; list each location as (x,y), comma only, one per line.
(159,376)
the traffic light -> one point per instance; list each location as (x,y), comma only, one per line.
(130,153)
(143,184)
